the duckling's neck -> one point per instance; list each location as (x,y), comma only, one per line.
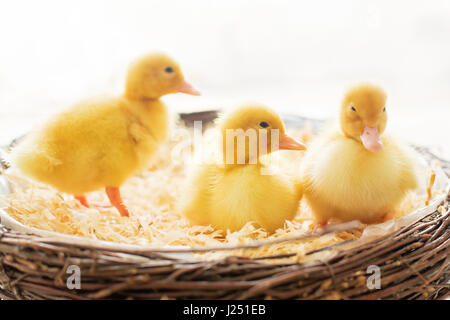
(137,97)
(143,105)
(240,165)
(348,136)
(237,159)
(150,114)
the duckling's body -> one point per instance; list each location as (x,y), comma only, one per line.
(94,144)
(343,180)
(228,198)
(101,143)
(228,195)
(354,173)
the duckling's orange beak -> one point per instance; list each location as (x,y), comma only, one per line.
(289,143)
(371,139)
(188,89)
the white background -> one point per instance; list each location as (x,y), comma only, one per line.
(295,56)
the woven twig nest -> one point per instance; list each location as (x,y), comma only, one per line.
(413,262)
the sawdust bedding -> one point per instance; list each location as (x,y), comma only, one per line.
(156,221)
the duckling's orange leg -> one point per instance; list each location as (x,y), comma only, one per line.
(82,200)
(388,216)
(116,200)
(319,225)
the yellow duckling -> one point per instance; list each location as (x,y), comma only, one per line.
(358,173)
(99,144)
(240,187)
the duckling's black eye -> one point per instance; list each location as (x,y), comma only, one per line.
(353,108)
(263,124)
(168,69)
(384,109)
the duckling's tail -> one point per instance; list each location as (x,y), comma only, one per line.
(33,162)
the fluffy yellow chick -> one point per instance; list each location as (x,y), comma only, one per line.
(240,188)
(99,144)
(358,173)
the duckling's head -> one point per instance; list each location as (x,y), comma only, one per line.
(363,115)
(256,127)
(155,75)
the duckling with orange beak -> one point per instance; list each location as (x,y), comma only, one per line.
(358,173)
(99,144)
(240,188)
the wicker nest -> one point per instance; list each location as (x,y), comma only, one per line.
(413,261)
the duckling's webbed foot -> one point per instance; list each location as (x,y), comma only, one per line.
(386,217)
(319,225)
(113,194)
(83,200)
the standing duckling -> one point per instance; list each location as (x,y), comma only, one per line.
(99,144)
(358,173)
(239,189)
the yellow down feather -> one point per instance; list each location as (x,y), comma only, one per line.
(227,196)
(345,181)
